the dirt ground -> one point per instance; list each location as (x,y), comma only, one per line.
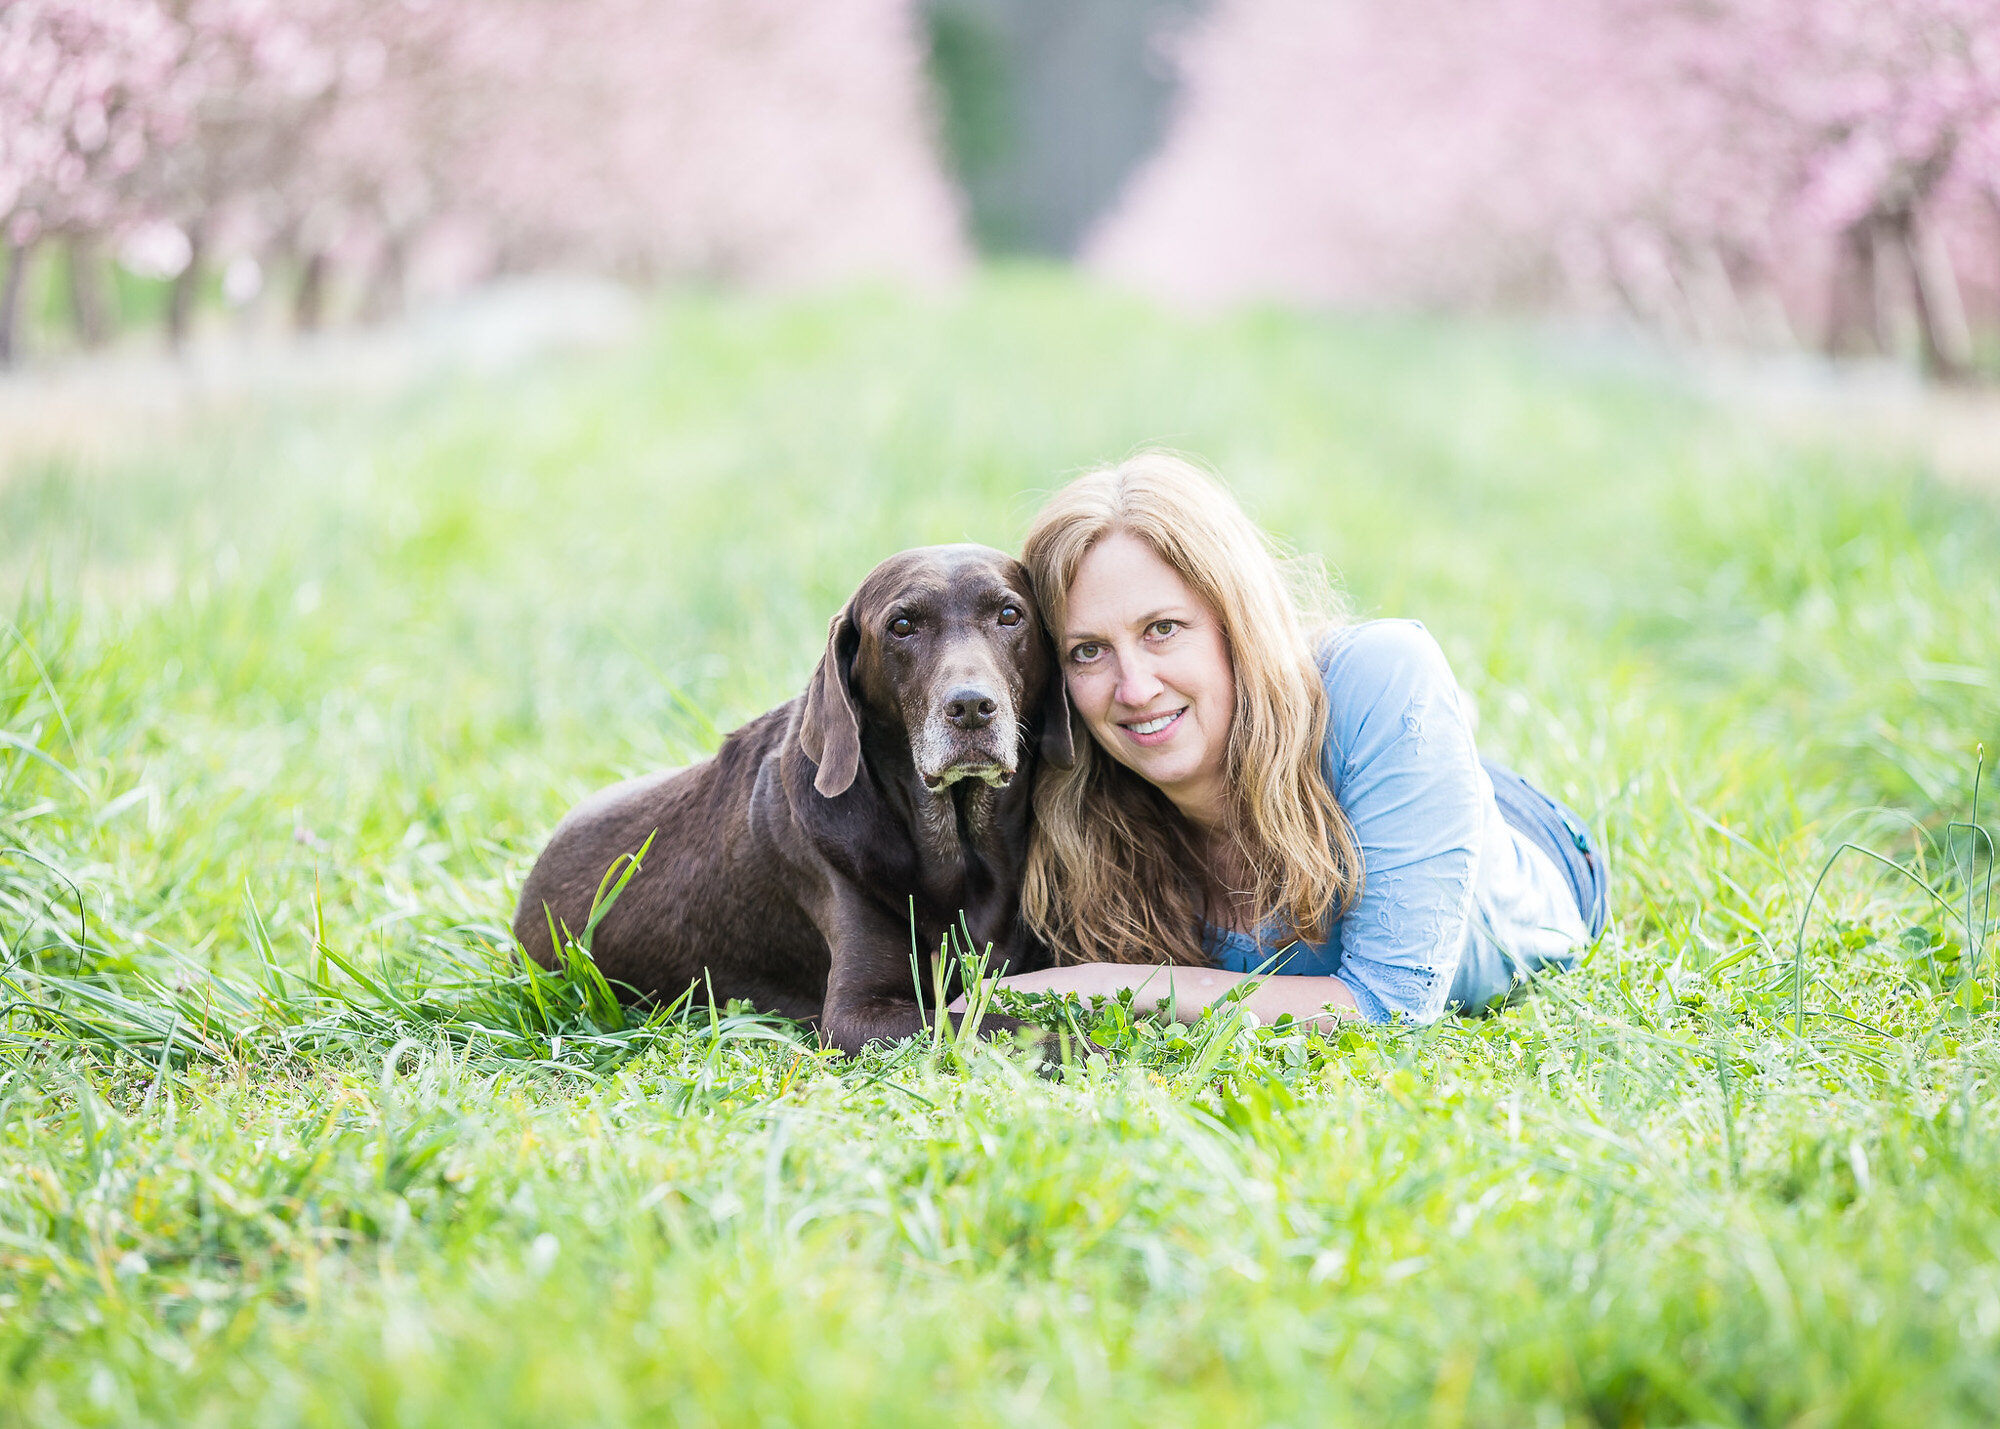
(92,406)
(1954,430)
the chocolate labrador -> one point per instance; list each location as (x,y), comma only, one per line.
(787,869)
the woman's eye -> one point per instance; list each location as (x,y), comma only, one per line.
(1164,628)
(902,627)
(1010,615)
(1085,653)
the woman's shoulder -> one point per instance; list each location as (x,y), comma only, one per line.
(1382,679)
(1381,658)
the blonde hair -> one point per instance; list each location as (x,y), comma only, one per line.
(1115,873)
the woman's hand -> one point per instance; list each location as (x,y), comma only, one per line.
(1191,991)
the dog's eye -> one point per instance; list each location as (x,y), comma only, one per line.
(902,627)
(1010,615)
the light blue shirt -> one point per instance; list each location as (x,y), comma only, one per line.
(1456,907)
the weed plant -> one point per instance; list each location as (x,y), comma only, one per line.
(290,698)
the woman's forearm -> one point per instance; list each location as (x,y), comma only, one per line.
(1190,991)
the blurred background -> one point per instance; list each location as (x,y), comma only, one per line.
(421,413)
(1783,176)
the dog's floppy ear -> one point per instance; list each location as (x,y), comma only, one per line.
(829,730)
(1058,743)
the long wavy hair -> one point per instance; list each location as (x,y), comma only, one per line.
(1115,872)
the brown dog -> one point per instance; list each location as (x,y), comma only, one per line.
(785,870)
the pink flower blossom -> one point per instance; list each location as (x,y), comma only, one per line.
(1642,152)
(754,140)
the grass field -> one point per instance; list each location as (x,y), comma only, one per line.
(290,698)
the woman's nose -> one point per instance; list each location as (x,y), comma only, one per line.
(1137,684)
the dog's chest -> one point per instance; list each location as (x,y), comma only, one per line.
(968,862)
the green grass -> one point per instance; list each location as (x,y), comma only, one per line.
(290,698)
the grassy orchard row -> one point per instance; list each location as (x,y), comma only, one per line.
(290,701)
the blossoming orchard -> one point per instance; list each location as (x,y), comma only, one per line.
(1812,172)
(1791,170)
(736,139)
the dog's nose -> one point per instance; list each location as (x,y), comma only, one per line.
(970,709)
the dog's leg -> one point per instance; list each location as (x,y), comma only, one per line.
(871,992)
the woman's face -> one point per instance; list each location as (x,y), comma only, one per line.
(1149,671)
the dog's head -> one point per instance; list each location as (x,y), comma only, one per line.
(944,644)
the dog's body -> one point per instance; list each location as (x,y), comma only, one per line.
(788,869)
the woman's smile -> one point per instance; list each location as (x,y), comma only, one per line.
(1155,729)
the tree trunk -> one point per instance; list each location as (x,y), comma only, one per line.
(10,302)
(1895,314)
(89,306)
(1764,313)
(309,303)
(1941,324)
(1713,302)
(187,287)
(1646,278)
(384,295)
(1853,323)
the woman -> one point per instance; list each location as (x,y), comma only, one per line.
(1254,800)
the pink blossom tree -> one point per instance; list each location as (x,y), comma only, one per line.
(1687,159)
(87,92)
(740,140)
(746,140)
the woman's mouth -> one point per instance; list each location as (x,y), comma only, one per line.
(1151,731)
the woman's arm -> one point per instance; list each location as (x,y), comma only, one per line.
(1400,758)
(1190,991)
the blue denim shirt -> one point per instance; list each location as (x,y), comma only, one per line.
(1456,906)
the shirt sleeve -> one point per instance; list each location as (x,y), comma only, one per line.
(1400,759)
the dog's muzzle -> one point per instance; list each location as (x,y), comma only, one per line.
(949,752)
(994,776)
